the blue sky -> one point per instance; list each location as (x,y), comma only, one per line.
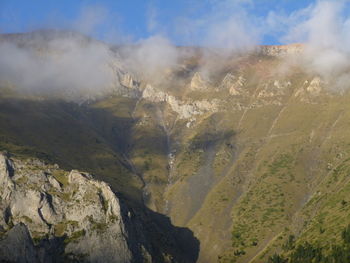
(184,22)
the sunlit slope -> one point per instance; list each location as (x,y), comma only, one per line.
(282,171)
(244,180)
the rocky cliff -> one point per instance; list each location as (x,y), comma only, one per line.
(49,215)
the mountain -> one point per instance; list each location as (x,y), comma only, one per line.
(243,152)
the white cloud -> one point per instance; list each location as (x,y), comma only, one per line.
(65,65)
(226,24)
(325,31)
(150,57)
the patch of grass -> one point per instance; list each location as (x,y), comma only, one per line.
(27,219)
(61,176)
(65,196)
(22,180)
(60,228)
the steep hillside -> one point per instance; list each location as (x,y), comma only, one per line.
(285,148)
(245,151)
(258,162)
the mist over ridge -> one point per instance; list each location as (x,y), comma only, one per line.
(64,62)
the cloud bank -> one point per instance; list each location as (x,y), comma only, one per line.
(150,57)
(228,25)
(72,65)
(325,30)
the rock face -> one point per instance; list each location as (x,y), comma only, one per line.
(197,82)
(234,85)
(154,95)
(184,109)
(51,204)
(310,90)
(128,81)
(48,215)
(18,239)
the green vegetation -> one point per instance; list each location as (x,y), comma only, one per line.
(60,228)
(27,219)
(306,252)
(75,236)
(65,196)
(61,176)
(277,259)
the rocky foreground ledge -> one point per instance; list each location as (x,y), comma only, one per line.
(41,205)
(49,215)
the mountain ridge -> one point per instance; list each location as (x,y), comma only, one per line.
(244,153)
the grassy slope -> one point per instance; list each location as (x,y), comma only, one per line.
(266,185)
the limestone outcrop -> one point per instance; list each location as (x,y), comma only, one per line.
(44,208)
(234,85)
(198,83)
(310,90)
(184,109)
